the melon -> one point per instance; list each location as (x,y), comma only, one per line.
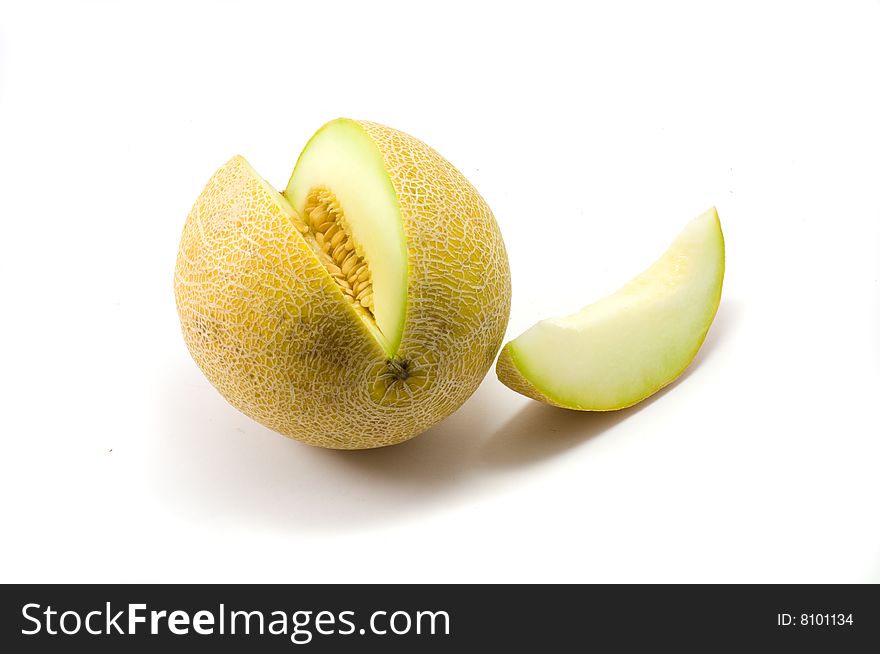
(354,309)
(627,346)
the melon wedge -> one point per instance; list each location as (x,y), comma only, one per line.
(627,346)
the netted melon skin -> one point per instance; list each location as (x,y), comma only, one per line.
(509,375)
(273,333)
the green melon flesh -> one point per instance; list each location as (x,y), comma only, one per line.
(342,158)
(627,346)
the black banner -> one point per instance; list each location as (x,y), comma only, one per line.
(105,618)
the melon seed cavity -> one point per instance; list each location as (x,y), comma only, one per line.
(325,224)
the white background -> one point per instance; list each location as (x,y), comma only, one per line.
(595,132)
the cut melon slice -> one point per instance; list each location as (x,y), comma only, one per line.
(627,346)
(340,185)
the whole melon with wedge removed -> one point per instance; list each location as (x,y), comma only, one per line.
(358,307)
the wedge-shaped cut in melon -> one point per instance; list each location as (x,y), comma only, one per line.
(340,186)
(627,346)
